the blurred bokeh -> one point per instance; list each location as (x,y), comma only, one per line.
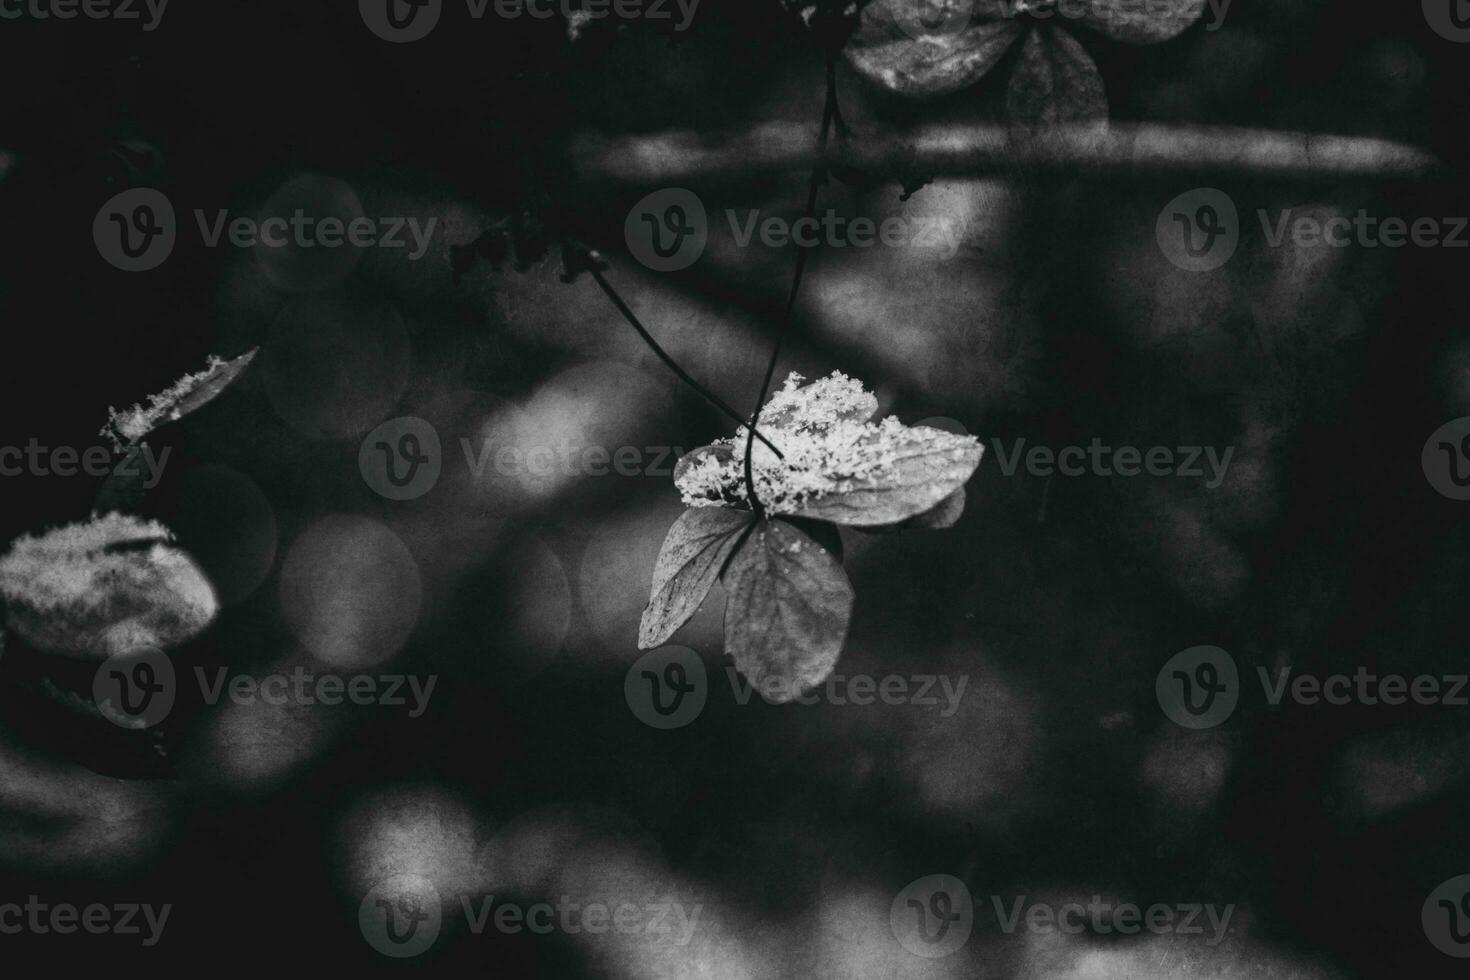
(792,829)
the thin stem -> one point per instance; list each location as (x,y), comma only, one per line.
(632,318)
(819,173)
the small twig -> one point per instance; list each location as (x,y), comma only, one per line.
(819,173)
(663,355)
(1119,150)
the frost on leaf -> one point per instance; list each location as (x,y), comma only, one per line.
(788,611)
(111,585)
(688,564)
(189,394)
(837,465)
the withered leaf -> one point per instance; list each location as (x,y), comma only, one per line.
(788,611)
(109,586)
(1055,81)
(688,564)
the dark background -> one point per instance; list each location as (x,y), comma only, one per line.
(795,826)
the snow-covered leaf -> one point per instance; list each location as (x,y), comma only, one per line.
(189,394)
(104,587)
(835,467)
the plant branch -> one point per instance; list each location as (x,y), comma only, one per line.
(1119,150)
(663,355)
(819,173)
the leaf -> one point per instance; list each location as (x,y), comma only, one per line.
(186,396)
(1054,82)
(1135,23)
(788,612)
(688,564)
(111,585)
(927,48)
(945,514)
(910,471)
